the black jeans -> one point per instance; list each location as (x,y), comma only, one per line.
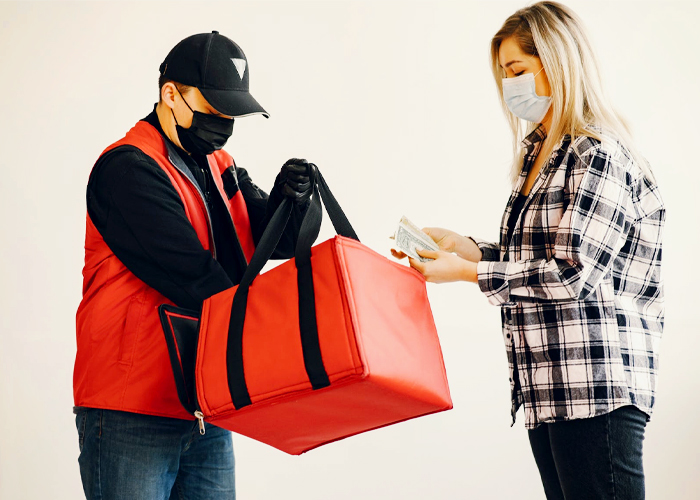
(596,458)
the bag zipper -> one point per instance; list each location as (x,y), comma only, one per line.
(198,409)
(200,417)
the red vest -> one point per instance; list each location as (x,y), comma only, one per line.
(122,361)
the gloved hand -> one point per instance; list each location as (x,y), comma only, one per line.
(294,180)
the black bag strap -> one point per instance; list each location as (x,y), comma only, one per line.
(310,228)
(311,349)
(338,218)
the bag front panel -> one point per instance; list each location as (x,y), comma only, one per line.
(272,349)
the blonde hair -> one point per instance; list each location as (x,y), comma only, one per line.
(555,34)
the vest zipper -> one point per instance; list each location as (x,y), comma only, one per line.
(204,202)
(228,209)
(198,413)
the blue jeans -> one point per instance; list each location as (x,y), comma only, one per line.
(142,457)
(592,458)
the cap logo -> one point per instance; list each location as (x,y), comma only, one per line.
(240,66)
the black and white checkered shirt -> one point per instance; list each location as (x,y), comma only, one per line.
(581,294)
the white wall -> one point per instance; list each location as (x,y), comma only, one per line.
(395,102)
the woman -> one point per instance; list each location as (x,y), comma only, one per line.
(577,269)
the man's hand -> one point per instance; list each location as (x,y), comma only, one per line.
(294,180)
(445,267)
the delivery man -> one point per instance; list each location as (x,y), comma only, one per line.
(170,219)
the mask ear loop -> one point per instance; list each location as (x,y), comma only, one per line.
(540,71)
(188,106)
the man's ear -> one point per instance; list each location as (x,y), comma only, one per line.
(167,94)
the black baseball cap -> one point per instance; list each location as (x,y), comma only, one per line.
(218,68)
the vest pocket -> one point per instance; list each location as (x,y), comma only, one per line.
(134,316)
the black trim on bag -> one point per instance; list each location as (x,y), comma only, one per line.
(181,329)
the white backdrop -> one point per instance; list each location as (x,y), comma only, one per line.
(395,102)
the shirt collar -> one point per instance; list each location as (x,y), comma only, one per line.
(534,138)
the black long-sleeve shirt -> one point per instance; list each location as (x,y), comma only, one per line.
(141,217)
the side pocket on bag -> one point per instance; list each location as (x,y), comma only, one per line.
(181,329)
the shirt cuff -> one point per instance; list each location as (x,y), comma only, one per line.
(489,251)
(493,281)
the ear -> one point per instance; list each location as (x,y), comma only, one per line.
(167,94)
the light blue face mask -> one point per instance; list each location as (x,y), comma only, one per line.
(522,100)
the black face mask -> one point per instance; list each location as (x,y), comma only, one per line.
(207,133)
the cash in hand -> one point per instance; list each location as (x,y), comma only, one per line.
(408,237)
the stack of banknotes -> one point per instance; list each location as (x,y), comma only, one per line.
(408,237)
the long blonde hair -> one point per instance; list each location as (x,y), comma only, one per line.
(555,34)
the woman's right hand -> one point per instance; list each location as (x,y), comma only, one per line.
(446,240)
(449,241)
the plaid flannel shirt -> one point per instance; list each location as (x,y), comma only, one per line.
(581,294)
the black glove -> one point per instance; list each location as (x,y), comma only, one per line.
(294,180)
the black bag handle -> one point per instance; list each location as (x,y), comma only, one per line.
(310,228)
(341,224)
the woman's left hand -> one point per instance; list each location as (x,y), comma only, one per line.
(445,267)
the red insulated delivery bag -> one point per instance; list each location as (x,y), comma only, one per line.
(337,341)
